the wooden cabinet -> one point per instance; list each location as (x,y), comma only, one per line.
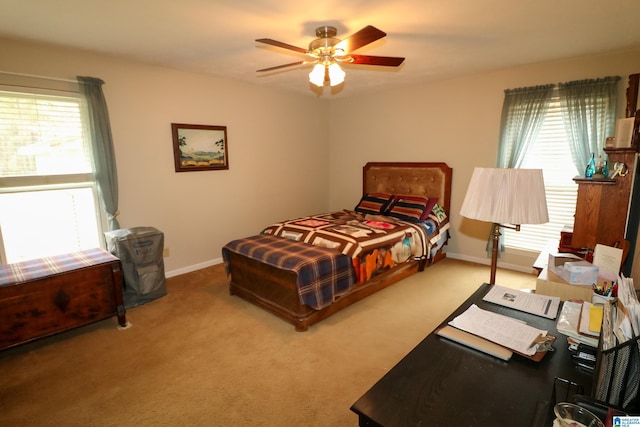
(603,204)
(43,297)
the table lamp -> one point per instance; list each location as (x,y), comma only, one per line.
(507,198)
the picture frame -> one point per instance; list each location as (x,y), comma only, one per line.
(199,147)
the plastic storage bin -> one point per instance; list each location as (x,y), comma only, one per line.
(140,251)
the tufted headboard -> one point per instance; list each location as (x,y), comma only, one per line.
(415,178)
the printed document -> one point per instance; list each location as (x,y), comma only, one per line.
(503,330)
(540,305)
(608,260)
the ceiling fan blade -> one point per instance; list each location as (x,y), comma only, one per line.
(367,35)
(389,61)
(277,67)
(282,45)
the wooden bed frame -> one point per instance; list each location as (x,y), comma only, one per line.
(275,290)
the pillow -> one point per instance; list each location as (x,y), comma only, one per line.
(439,213)
(431,204)
(411,208)
(436,220)
(374,203)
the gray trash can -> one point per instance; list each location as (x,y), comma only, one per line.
(140,251)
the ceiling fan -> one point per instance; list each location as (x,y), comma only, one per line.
(327,52)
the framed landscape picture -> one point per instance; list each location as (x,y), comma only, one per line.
(199,147)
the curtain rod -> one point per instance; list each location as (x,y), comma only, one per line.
(38,77)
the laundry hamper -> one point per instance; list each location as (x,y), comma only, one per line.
(140,250)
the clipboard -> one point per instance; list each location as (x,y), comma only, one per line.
(539,354)
(475,342)
(486,346)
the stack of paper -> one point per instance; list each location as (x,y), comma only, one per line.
(475,342)
(540,305)
(621,322)
(569,324)
(590,319)
(502,330)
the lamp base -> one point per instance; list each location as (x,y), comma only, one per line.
(496,244)
(494,253)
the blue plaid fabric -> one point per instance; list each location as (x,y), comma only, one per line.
(323,274)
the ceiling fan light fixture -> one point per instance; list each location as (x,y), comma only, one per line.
(316,76)
(336,74)
(325,41)
(328,52)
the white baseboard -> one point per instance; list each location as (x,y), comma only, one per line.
(487,261)
(193,267)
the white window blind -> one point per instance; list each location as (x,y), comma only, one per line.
(42,135)
(550,153)
(48,202)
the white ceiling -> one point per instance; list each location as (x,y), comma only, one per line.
(438,38)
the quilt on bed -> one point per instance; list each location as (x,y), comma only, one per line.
(322,274)
(373,242)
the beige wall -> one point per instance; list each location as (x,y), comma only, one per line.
(280,166)
(456,121)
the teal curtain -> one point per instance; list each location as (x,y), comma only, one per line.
(589,112)
(102,145)
(523,114)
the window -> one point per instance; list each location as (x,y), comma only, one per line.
(552,154)
(547,127)
(48,199)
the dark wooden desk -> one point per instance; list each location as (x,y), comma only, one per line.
(442,383)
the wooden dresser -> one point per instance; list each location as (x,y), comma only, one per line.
(46,296)
(603,204)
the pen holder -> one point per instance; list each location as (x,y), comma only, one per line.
(600,299)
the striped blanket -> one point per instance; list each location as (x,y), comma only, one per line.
(323,274)
(25,271)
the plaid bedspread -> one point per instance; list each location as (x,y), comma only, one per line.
(25,271)
(323,274)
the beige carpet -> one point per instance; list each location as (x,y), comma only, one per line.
(201,357)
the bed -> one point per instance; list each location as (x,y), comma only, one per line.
(297,270)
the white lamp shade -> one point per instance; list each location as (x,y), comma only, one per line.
(506,196)
(316,76)
(336,74)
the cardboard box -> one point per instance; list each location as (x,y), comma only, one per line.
(580,273)
(551,284)
(558,259)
